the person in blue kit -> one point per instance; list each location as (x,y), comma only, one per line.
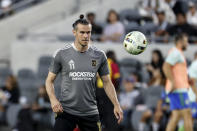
(192,71)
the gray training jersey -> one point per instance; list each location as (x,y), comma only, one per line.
(78,71)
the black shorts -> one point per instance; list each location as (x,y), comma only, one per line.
(67,122)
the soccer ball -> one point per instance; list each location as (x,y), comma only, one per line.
(135,42)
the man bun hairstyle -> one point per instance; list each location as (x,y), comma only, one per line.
(81,16)
(81,20)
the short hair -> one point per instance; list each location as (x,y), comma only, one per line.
(111,54)
(182,14)
(81,20)
(90,14)
(179,37)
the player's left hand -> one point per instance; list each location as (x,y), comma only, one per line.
(118,113)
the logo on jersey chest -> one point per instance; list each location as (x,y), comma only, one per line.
(94,63)
(71,64)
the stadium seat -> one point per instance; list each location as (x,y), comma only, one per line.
(43,68)
(129,14)
(130,65)
(145,77)
(153,94)
(148,28)
(26,74)
(130,62)
(131,26)
(4,73)
(12,114)
(28,84)
(29,92)
(26,78)
(45,60)
(135,120)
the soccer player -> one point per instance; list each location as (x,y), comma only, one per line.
(78,64)
(193,90)
(175,69)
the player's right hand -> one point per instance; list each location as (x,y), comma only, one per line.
(56,106)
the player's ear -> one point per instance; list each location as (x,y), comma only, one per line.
(74,32)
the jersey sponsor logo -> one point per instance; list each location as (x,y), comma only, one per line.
(93,63)
(81,75)
(71,64)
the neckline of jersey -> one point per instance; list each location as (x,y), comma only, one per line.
(74,47)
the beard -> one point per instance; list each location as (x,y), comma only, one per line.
(184,48)
(83,45)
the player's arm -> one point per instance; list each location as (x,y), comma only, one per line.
(55,104)
(167,69)
(111,93)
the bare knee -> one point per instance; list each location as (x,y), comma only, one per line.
(187,114)
(157,116)
(146,115)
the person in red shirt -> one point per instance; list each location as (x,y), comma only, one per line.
(105,107)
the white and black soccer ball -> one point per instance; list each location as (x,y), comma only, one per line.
(135,42)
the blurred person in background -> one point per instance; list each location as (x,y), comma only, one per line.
(114,30)
(30,117)
(161,25)
(158,79)
(192,71)
(104,104)
(156,62)
(5,5)
(167,6)
(127,98)
(42,113)
(192,14)
(96,29)
(8,95)
(148,7)
(182,26)
(175,70)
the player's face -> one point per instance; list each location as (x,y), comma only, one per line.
(184,43)
(83,34)
(112,17)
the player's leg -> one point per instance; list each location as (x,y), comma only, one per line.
(176,104)
(186,111)
(146,115)
(174,119)
(156,120)
(89,123)
(187,116)
(64,122)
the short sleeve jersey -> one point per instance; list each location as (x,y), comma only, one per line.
(193,70)
(175,57)
(192,74)
(179,69)
(78,71)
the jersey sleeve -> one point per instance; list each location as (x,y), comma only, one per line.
(55,66)
(103,69)
(173,58)
(193,71)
